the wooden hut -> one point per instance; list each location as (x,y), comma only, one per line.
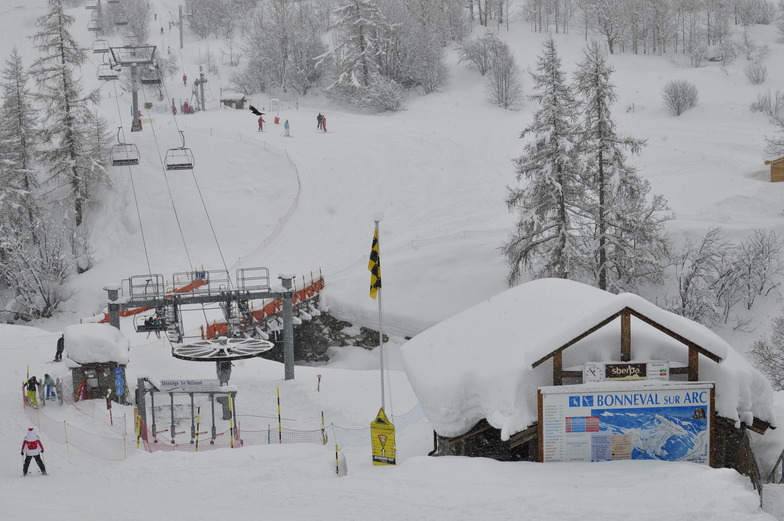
(97,357)
(557,335)
(776,169)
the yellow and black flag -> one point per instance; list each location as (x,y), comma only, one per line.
(374,266)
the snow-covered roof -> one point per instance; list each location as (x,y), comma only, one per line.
(96,343)
(478,363)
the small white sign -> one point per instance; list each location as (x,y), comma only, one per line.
(189,386)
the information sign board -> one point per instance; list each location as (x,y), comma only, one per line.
(663,421)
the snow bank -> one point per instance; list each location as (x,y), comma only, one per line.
(96,343)
(478,363)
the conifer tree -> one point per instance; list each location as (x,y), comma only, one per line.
(18,180)
(546,238)
(627,243)
(68,119)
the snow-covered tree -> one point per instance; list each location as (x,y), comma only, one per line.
(628,244)
(546,238)
(18,116)
(282,45)
(66,129)
(35,264)
(503,83)
(139,16)
(768,354)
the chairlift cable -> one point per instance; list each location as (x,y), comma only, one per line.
(168,188)
(133,187)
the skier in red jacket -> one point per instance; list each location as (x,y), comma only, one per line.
(32,448)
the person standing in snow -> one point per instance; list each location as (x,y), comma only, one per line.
(49,384)
(58,355)
(261,123)
(324,123)
(319,118)
(32,384)
(286,128)
(184,79)
(32,448)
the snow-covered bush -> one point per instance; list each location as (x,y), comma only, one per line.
(772,104)
(757,73)
(698,54)
(768,355)
(679,96)
(478,53)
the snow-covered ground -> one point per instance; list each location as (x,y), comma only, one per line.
(438,171)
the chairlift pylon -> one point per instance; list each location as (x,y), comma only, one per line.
(180,158)
(124,154)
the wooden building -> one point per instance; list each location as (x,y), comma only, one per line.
(776,169)
(97,355)
(587,330)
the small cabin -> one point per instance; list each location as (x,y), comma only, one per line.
(97,357)
(776,169)
(234,103)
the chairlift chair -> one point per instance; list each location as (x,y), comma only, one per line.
(91,4)
(100,46)
(106,72)
(150,324)
(150,76)
(94,25)
(124,154)
(180,158)
(112,1)
(121,20)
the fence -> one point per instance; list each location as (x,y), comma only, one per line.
(119,446)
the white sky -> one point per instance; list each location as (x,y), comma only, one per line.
(438,171)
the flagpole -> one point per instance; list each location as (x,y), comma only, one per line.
(380,322)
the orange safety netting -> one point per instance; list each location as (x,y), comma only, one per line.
(270,310)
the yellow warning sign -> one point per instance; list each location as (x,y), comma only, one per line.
(382,434)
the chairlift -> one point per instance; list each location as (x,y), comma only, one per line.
(91,4)
(150,76)
(112,1)
(124,154)
(180,158)
(120,20)
(100,46)
(94,25)
(106,72)
(150,324)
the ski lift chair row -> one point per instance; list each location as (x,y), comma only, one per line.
(94,25)
(106,72)
(100,46)
(124,154)
(180,158)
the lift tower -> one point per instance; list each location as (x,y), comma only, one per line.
(133,56)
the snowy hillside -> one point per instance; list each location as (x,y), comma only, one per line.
(438,171)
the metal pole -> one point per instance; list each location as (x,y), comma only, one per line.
(288,328)
(114,307)
(201,88)
(136,126)
(193,421)
(380,323)
(171,401)
(212,406)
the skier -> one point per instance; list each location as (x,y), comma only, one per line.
(261,123)
(185,109)
(324,123)
(58,356)
(184,80)
(49,384)
(319,119)
(32,383)
(286,128)
(32,448)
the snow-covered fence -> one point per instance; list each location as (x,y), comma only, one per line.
(119,446)
(104,447)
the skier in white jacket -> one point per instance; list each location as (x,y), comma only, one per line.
(32,448)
